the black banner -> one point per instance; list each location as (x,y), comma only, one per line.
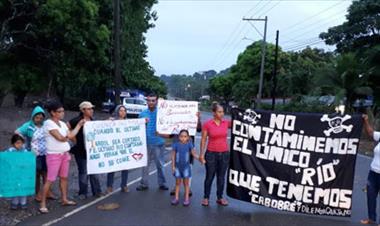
(296,162)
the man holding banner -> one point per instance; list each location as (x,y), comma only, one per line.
(155,145)
(79,151)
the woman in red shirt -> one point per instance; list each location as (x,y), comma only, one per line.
(217,154)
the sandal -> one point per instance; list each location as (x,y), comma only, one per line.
(43,210)
(69,203)
(186,203)
(222,202)
(367,221)
(174,202)
(205,202)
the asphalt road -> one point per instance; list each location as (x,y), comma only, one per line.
(152,207)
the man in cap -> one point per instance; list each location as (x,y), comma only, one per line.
(86,112)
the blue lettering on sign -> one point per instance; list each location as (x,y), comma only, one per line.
(94,156)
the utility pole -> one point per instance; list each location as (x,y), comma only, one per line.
(274,79)
(116,49)
(263,49)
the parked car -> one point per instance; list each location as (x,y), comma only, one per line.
(133,97)
(134,106)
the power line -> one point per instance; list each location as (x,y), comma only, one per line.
(310,28)
(303,46)
(265,5)
(311,40)
(289,28)
(276,4)
(227,53)
(257,30)
(230,38)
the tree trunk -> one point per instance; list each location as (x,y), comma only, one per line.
(19,98)
(3,94)
(50,80)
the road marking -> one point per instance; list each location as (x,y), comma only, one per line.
(365,156)
(117,190)
(97,200)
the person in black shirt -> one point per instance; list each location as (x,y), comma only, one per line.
(79,151)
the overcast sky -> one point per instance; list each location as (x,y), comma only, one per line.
(198,35)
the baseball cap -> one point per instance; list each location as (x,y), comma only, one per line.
(86,104)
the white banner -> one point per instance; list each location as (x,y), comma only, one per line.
(173,116)
(115,145)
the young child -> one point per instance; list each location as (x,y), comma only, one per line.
(181,165)
(18,145)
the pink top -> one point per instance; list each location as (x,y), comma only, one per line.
(217,135)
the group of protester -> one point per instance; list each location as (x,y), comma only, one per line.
(52,140)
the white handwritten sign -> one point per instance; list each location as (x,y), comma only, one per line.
(115,145)
(173,116)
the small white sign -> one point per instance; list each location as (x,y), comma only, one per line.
(173,116)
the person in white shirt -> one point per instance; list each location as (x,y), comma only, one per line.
(373,182)
(58,158)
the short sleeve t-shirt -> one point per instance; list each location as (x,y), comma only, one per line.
(151,127)
(183,152)
(79,148)
(217,135)
(375,165)
(54,146)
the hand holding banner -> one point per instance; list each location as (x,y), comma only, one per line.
(173,116)
(115,145)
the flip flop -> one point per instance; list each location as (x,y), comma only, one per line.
(367,221)
(43,210)
(222,202)
(205,202)
(69,203)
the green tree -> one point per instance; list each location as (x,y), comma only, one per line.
(347,82)
(360,31)
(220,88)
(360,34)
(137,19)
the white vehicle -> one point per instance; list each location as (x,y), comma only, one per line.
(134,106)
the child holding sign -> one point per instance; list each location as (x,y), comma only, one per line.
(181,165)
(18,145)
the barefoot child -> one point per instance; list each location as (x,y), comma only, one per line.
(181,165)
(18,145)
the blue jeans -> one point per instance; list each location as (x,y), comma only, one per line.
(83,178)
(124,179)
(216,164)
(20,200)
(373,188)
(156,153)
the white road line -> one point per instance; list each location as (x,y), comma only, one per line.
(365,156)
(96,200)
(117,190)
